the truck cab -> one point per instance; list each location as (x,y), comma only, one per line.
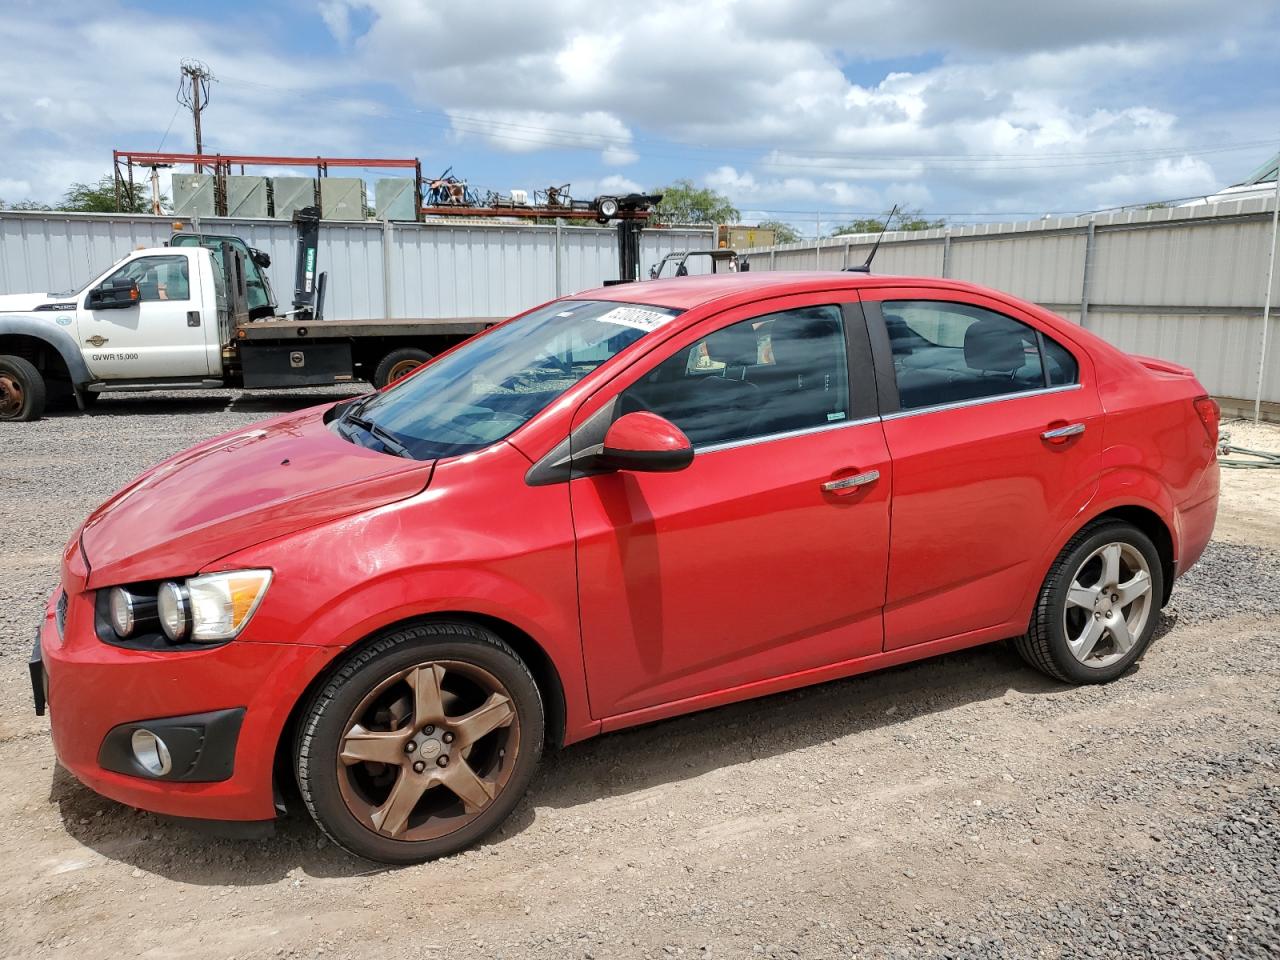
(158,314)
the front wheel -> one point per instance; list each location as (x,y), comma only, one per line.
(22,390)
(1098,608)
(421,743)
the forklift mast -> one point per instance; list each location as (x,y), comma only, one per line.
(629,250)
(308,286)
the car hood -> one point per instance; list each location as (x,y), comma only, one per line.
(238,490)
(27,302)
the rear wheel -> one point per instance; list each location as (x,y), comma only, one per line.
(399,363)
(1098,608)
(421,744)
(22,390)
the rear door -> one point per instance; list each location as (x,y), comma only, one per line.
(162,335)
(994,440)
(765,557)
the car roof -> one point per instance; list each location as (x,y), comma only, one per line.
(685,293)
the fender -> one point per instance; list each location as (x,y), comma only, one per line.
(44,329)
(370,605)
(1124,486)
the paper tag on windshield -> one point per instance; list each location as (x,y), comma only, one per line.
(637,317)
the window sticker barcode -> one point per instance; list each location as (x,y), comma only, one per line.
(636,317)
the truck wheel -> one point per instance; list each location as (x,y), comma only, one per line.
(22,394)
(399,363)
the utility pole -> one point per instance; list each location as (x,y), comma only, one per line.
(193,92)
(1266,307)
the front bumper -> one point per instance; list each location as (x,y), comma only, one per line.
(97,691)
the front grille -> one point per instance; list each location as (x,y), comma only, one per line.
(60,612)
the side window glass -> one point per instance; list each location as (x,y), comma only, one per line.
(1059,363)
(953,352)
(158,278)
(772,374)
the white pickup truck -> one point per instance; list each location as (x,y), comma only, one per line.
(198,313)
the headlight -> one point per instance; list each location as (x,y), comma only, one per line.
(213,607)
(175,610)
(130,610)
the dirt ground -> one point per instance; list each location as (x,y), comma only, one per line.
(961,807)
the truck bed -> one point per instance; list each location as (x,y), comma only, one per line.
(374,327)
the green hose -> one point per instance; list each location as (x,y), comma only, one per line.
(1265,460)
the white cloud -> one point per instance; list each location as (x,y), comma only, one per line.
(776,103)
(524,131)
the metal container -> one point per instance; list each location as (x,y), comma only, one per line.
(343,198)
(247,197)
(292,193)
(394,199)
(193,195)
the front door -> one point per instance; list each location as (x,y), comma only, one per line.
(765,557)
(162,335)
(979,490)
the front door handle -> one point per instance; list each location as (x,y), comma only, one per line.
(1061,433)
(849,483)
(193,318)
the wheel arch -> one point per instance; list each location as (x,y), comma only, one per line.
(38,340)
(1154,526)
(531,652)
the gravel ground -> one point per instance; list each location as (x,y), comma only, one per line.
(961,807)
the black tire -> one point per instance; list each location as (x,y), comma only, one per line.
(1045,646)
(397,364)
(22,390)
(325,722)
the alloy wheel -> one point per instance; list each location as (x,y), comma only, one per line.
(1109,601)
(428,750)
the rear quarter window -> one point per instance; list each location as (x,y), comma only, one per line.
(1060,364)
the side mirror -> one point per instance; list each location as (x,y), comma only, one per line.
(645,442)
(744,266)
(113,295)
(261,259)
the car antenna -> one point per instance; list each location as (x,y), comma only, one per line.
(865,266)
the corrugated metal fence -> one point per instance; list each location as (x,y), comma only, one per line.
(1183,283)
(375,269)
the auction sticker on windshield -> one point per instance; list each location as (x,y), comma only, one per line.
(636,317)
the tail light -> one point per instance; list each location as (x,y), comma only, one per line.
(1209,412)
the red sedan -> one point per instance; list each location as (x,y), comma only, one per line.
(618,507)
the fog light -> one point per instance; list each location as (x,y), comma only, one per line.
(151,753)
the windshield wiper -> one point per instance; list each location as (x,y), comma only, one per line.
(385,437)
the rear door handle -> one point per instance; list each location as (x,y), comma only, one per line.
(1061,433)
(849,483)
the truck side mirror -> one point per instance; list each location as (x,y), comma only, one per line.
(113,295)
(263,260)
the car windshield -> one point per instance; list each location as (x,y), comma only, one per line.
(485,389)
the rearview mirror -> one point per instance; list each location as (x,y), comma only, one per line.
(645,442)
(113,295)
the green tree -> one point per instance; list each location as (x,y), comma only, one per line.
(905,219)
(25,205)
(100,197)
(782,232)
(682,202)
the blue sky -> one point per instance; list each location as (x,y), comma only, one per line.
(989,109)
